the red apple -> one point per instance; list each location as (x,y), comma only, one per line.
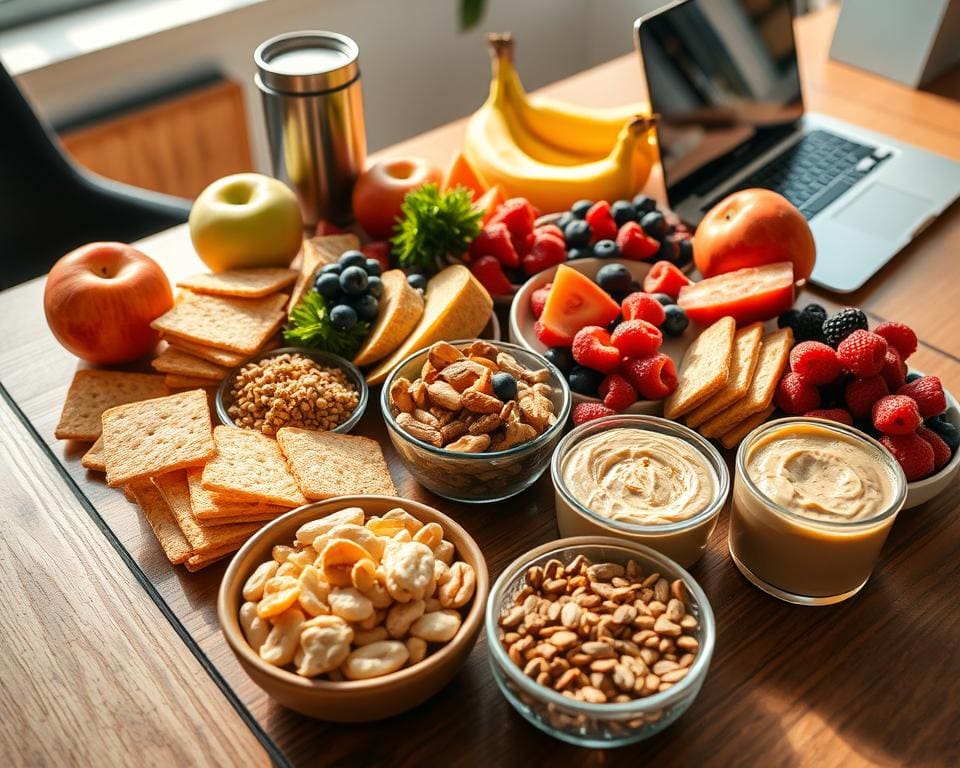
(380,190)
(100,300)
(751,228)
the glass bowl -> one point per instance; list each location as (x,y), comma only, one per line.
(478,477)
(327,359)
(596,726)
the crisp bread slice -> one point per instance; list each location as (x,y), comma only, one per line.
(316,252)
(92,392)
(237,325)
(242,283)
(184,364)
(206,510)
(152,437)
(732,438)
(161,520)
(214,355)
(198,562)
(176,381)
(746,352)
(774,354)
(93,459)
(704,370)
(329,464)
(261,517)
(249,467)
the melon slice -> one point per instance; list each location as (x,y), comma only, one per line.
(461,174)
(401,308)
(457,307)
(574,302)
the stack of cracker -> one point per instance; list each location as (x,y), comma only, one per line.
(219,322)
(728,379)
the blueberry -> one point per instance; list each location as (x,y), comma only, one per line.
(614,278)
(352,259)
(669,250)
(622,212)
(577,233)
(675,320)
(580,253)
(375,286)
(579,209)
(417,281)
(560,357)
(612,325)
(644,204)
(333,269)
(373,268)
(654,225)
(664,298)
(913,376)
(343,317)
(327,284)
(685,255)
(353,280)
(565,218)
(606,249)
(635,287)
(584,381)
(367,307)
(504,386)
(947,431)
(816,311)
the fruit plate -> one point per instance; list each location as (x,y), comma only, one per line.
(522,322)
(921,491)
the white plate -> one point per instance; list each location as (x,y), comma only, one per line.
(921,491)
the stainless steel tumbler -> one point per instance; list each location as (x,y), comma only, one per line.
(313,106)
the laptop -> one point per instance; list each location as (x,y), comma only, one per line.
(722,76)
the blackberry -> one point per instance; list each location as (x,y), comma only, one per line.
(806,326)
(842,324)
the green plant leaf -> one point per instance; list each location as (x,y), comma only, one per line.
(471,11)
(433,224)
(310,326)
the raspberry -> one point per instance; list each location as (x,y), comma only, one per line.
(552,230)
(665,277)
(846,321)
(549,337)
(941,451)
(894,370)
(833,414)
(546,252)
(518,215)
(816,362)
(899,336)
(643,306)
(653,377)
(912,452)
(588,411)
(539,298)
(796,395)
(896,415)
(494,240)
(927,391)
(862,353)
(861,394)
(601,222)
(617,392)
(379,250)
(634,243)
(636,338)
(592,348)
(488,271)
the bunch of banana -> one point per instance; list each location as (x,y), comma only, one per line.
(554,153)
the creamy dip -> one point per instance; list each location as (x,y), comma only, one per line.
(820,474)
(639,477)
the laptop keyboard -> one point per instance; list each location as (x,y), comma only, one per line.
(815,171)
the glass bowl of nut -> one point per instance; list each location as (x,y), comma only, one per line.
(293,387)
(598,642)
(475,420)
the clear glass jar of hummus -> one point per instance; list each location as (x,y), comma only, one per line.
(813,502)
(641,478)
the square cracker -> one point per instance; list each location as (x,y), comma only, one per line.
(316,252)
(161,520)
(176,381)
(152,437)
(774,354)
(242,283)
(206,510)
(249,467)
(746,351)
(198,562)
(175,361)
(732,438)
(93,458)
(92,392)
(237,325)
(329,464)
(705,368)
(214,355)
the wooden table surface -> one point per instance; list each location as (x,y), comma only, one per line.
(111,656)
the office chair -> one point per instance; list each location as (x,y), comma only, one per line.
(49,205)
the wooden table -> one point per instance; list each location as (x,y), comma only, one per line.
(111,656)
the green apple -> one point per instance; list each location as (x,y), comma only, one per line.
(246,220)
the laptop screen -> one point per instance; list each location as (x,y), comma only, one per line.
(722,75)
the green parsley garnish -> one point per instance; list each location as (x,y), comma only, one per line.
(434,224)
(310,326)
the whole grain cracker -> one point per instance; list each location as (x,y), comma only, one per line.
(704,370)
(198,562)
(174,361)
(92,392)
(206,510)
(316,252)
(260,517)
(93,458)
(214,355)
(242,283)
(175,381)
(157,513)
(152,437)
(774,354)
(733,438)
(237,325)
(329,464)
(249,467)
(746,352)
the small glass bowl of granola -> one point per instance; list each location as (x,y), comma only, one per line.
(475,420)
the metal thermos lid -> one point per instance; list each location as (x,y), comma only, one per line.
(307,62)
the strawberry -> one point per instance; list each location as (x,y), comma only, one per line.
(862,353)
(912,452)
(488,271)
(941,451)
(896,415)
(861,393)
(927,391)
(636,338)
(617,392)
(833,414)
(546,252)
(642,306)
(590,411)
(815,361)
(894,370)
(539,298)
(592,348)
(635,244)
(551,229)
(796,394)
(519,216)
(550,337)
(602,225)
(379,250)
(665,277)
(899,336)
(654,377)
(494,240)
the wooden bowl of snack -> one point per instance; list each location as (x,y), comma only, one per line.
(330,658)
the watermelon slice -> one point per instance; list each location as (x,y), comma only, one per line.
(576,301)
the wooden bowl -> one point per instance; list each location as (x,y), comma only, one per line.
(352,700)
